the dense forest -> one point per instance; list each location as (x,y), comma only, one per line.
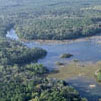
(55,19)
(12,52)
(28,83)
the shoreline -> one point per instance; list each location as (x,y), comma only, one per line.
(96,38)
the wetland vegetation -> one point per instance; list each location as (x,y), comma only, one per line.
(21,77)
(75,69)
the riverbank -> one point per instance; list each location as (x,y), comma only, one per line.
(12,34)
(96,38)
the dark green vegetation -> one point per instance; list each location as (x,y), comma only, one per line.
(29,84)
(12,52)
(98,75)
(66,55)
(51,19)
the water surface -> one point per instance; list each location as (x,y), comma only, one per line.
(83,86)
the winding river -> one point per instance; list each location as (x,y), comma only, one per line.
(84,51)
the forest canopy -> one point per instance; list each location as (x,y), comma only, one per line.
(12,52)
(52,20)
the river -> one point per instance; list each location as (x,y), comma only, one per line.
(84,51)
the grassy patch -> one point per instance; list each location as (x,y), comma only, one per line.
(76,69)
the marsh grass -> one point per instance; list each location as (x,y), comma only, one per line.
(76,70)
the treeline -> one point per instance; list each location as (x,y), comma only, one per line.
(57,29)
(28,83)
(51,19)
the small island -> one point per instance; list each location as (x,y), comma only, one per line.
(59,63)
(66,55)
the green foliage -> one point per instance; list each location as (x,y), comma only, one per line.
(12,52)
(56,28)
(52,20)
(28,83)
(99,76)
(17,83)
